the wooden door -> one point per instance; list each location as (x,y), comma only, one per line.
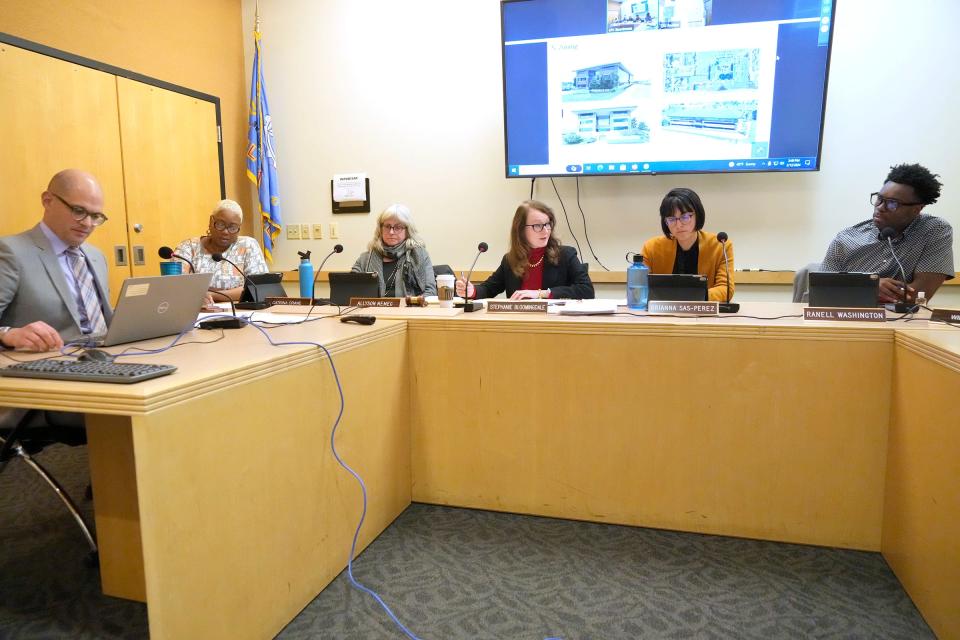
(172,167)
(56,115)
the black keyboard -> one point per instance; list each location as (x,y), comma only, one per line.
(124,373)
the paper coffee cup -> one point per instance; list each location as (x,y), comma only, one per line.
(445,283)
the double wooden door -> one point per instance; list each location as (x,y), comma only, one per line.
(155,152)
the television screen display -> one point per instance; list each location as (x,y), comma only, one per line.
(610,87)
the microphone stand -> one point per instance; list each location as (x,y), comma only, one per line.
(903,306)
(223,323)
(468,305)
(727,307)
(249,306)
(313,291)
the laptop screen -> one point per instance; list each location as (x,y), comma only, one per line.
(678,286)
(350,284)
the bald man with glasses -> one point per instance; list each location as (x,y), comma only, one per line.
(53,285)
(923,243)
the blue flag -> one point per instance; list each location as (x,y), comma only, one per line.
(262,156)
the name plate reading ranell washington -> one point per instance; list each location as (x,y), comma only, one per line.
(364,303)
(842,314)
(682,308)
(517,306)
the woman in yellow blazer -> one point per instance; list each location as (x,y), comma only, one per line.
(685,247)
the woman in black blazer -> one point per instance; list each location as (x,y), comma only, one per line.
(537,265)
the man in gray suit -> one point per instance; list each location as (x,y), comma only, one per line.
(53,286)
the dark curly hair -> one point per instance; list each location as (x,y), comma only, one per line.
(924,183)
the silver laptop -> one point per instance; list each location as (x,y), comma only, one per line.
(155,306)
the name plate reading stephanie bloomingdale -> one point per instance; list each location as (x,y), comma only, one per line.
(366,303)
(681,308)
(517,306)
(945,315)
(841,314)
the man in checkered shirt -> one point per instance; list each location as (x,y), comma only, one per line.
(923,243)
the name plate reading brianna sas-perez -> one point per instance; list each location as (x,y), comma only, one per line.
(681,308)
(366,303)
(841,314)
(517,306)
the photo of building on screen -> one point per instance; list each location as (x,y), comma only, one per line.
(641,15)
(608,111)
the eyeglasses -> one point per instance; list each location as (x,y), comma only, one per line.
(878,200)
(220,225)
(540,226)
(683,217)
(394,228)
(79,213)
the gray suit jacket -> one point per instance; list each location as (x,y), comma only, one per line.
(33,287)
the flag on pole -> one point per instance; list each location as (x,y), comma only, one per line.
(261,153)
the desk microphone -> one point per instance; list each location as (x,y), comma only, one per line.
(256,304)
(727,307)
(337,248)
(467,305)
(223,323)
(167,254)
(888,234)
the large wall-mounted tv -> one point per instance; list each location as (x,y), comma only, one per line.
(612,87)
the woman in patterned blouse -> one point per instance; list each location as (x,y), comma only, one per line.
(222,238)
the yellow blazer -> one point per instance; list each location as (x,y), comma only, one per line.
(659,254)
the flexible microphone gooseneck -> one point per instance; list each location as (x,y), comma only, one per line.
(727,307)
(252,306)
(167,254)
(888,234)
(468,306)
(337,248)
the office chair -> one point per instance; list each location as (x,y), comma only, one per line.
(29,436)
(801,285)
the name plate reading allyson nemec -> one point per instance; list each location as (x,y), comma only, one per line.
(677,307)
(517,306)
(374,302)
(841,314)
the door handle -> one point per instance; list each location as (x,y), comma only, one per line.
(139,256)
(120,255)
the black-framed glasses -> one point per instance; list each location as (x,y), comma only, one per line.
(891,204)
(394,228)
(79,213)
(683,217)
(220,225)
(540,226)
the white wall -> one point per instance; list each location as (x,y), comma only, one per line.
(411,93)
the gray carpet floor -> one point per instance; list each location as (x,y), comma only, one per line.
(457,573)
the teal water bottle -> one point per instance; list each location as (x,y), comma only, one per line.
(638,284)
(306,275)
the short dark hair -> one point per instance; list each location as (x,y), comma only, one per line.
(924,183)
(683,200)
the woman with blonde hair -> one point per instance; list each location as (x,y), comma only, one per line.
(398,256)
(537,265)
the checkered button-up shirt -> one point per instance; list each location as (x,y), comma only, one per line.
(925,246)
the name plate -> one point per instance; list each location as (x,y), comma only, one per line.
(517,306)
(293,302)
(945,315)
(841,314)
(679,307)
(364,303)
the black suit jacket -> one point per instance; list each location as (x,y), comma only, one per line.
(567,279)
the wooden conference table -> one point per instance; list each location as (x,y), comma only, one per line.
(218,501)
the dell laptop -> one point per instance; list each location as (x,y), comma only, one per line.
(678,287)
(829,289)
(154,306)
(351,284)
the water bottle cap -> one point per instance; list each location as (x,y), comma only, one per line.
(304,255)
(637,258)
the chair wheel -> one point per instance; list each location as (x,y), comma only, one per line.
(92,560)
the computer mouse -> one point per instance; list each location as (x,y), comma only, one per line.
(359,319)
(95,355)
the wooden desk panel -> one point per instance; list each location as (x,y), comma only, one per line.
(730,430)
(921,518)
